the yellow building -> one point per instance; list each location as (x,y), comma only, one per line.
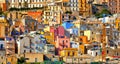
(49,37)
(3,27)
(34,57)
(12,59)
(88,34)
(69,52)
(2,59)
(85,8)
(117,24)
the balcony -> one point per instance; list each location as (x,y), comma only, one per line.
(10,52)
(10,47)
(9,42)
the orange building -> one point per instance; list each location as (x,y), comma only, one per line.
(11,60)
(3,5)
(3,27)
(84,41)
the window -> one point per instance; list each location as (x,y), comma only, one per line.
(24,51)
(35,59)
(73,53)
(63,41)
(1,46)
(68,53)
(66,41)
(96,53)
(107,51)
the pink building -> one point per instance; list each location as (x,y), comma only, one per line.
(59,31)
(52,29)
(61,43)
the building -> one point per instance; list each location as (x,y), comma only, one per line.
(38,43)
(2,43)
(10,46)
(2,56)
(34,57)
(11,60)
(3,5)
(52,15)
(105,2)
(94,52)
(85,8)
(70,5)
(49,49)
(50,37)
(26,3)
(114,6)
(3,27)
(83,59)
(61,43)
(23,45)
(117,24)
(66,52)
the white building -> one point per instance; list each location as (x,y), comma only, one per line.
(94,52)
(26,3)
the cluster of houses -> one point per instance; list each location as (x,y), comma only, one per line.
(51,34)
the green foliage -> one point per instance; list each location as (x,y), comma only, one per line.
(21,60)
(104,11)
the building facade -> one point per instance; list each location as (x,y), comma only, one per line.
(3,5)
(49,49)
(114,6)
(26,3)
(3,27)
(10,46)
(61,43)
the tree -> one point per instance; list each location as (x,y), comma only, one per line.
(104,11)
(21,60)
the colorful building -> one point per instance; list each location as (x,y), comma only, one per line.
(117,24)
(26,3)
(61,43)
(49,49)
(10,46)
(3,5)
(23,45)
(66,52)
(3,27)
(52,15)
(34,57)
(11,60)
(114,6)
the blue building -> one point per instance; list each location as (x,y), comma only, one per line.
(67,24)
